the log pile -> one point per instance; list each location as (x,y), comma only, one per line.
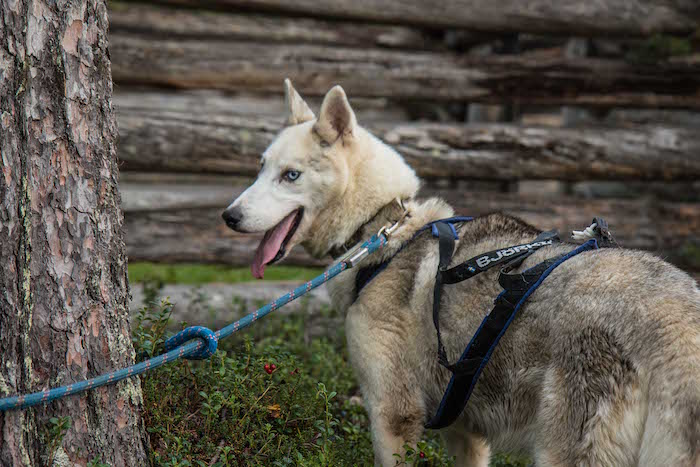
(182,222)
(565,17)
(198,98)
(190,49)
(216,134)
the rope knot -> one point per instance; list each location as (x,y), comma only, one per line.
(206,335)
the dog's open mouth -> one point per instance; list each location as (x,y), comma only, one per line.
(273,245)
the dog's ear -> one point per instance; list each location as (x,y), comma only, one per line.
(297,110)
(337,120)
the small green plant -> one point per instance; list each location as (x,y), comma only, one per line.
(54,433)
(151,323)
(211,405)
(326,425)
(97,462)
(427,452)
(510,460)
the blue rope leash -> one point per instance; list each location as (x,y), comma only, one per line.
(196,342)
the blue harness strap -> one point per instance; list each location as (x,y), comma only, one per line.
(466,371)
(508,258)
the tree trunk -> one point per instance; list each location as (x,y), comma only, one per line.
(63,274)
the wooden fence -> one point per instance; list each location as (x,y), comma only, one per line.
(490,101)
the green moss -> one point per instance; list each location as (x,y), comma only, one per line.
(197,274)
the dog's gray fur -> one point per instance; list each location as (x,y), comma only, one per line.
(601,368)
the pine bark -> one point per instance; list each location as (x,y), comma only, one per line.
(63,274)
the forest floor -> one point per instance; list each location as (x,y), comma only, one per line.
(279,393)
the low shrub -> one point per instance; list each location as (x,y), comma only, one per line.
(272,395)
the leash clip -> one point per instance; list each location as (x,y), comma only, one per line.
(388,231)
(353,257)
(356,255)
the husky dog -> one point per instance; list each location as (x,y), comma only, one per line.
(601,367)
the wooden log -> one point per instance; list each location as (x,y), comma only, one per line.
(509,152)
(172,223)
(684,192)
(193,235)
(202,104)
(646,116)
(565,17)
(197,23)
(166,133)
(542,77)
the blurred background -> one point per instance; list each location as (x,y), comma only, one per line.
(553,111)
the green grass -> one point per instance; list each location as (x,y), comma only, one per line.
(198,274)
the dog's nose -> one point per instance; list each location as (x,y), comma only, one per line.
(232,216)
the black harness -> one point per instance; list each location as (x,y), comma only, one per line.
(516,290)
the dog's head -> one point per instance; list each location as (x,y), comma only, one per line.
(307,179)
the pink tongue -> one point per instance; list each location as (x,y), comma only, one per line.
(270,245)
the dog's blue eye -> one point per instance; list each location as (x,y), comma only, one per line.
(291,175)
